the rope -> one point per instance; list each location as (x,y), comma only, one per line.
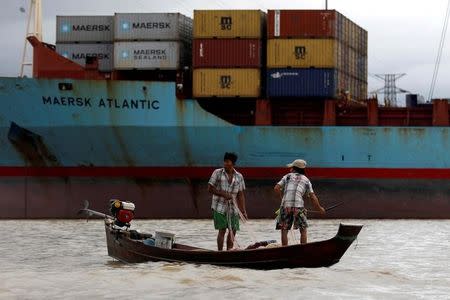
(242,218)
(244,221)
(230,228)
(439,55)
(292,232)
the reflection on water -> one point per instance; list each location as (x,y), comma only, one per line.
(405,259)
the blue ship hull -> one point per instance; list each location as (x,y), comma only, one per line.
(87,139)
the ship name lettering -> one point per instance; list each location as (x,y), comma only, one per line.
(67,101)
(129,103)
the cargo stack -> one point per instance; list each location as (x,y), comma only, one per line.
(81,37)
(228,53)
(152,41)
(315,53)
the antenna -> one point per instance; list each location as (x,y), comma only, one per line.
(390,90)
(35,14)
(326,4)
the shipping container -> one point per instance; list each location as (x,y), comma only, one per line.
(304,53)
(229,24)
(316,53)
(302,83)
(227,83)
(84,29)
(323,83)
(79,52)
(316,24)
(152,26)
(226,53)
(150,55)
(362,68)
(364,43)
(302,23)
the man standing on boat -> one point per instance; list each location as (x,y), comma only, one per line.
(228,202)
(293,188)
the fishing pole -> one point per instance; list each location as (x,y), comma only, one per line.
(328,208)
(316,211)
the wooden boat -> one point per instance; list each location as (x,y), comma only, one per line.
(130,246)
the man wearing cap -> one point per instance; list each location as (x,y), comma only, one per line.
(227,186)
(293,188)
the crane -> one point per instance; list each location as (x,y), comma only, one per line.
(34,28)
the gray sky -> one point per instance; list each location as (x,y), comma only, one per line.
(403,34)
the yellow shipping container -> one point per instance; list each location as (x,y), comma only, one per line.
(227,83)
(304,53)
(229,23)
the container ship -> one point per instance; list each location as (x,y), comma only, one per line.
(142,106)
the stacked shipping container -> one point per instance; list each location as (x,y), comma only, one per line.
(227,53)
(80,37)
(152,41)
(310,53)
(315,53)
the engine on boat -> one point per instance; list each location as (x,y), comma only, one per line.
(122,211)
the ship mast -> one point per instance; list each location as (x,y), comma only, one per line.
(34,28)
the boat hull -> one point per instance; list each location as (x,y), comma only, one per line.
(311,255)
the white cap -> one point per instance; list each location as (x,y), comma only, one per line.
(299,163)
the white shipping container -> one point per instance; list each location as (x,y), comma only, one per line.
(78,53)
(148,55)
(84,29)
(152,26)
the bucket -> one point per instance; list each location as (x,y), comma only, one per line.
(164,239)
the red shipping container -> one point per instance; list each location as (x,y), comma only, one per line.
(226,53)
(303,23)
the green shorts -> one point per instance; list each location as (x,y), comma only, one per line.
(221,221)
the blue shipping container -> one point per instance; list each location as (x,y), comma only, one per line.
(302,82)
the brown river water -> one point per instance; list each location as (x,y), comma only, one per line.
(67,259)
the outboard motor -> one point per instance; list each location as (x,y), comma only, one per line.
(122,211)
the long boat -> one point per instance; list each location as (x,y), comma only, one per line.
(130,248)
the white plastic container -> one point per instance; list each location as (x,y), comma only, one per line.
(164,239)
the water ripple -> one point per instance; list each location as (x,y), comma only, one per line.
(393,259)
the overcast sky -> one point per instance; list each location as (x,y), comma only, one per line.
(403,34)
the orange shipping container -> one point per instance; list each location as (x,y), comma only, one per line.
(315,24)
(227,83)
(288,23)
(229,24)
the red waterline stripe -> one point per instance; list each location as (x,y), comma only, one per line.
(205,172)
